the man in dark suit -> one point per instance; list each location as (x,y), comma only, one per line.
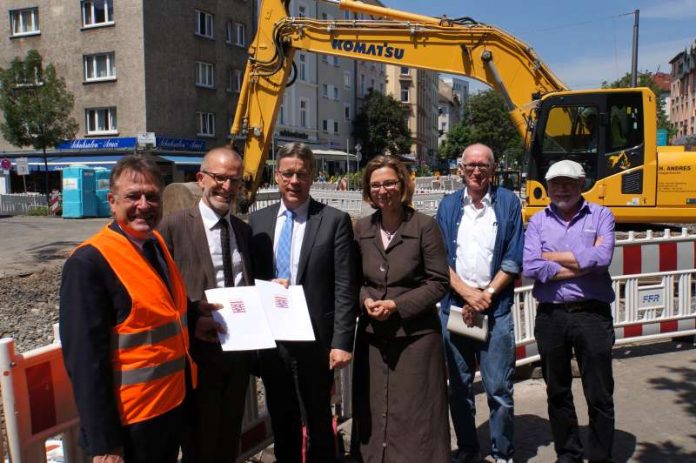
(211,248)
(303,242)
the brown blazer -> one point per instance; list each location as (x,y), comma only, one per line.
(184,233)
(412,271)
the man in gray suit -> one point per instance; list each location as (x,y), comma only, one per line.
(211,248)
(306,243)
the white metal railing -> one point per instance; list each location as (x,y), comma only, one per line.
(17,204)
(647,306)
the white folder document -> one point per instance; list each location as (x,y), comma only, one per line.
(479,330)
(286,311)
(254,317)
(243,318)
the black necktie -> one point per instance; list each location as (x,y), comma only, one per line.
(226,252)
(151,254)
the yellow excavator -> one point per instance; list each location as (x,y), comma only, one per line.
(611,132)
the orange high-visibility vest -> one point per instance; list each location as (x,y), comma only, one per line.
(150,347)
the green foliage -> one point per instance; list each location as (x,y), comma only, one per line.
(485,121)
(38,211)
(645,79)
(382,124)
(36,104)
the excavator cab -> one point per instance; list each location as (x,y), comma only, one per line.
(603,131)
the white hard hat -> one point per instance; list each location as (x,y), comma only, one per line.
(565,168)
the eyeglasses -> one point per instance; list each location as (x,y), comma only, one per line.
(471,167)
(289,174)
(153,199)
(221,179)
(388,185)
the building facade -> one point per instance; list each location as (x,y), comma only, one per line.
(682,111)
(452,96)
(418,90)
(319,108)
(136,66)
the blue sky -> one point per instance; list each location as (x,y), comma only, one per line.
(584,42)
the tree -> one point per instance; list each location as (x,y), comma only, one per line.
(485,121)
(37,106)
(645,79)
(382,124)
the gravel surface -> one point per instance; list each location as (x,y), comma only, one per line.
(29,307)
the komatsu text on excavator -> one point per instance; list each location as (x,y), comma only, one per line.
(611,132)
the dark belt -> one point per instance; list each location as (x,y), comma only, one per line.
(576,306)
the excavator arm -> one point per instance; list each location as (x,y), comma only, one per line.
(454,46)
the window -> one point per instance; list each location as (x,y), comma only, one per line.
(206,124)
(324,90)
(325,125)
(301,11)
(347,111)
(404,93)
(237,80)
(24,22)
(204,24)
(335,126)
(372,84)
(335,60)
(205,75)
(404,71)
(240,34)
(303,113)
(97,13)
(101,121)
(281,113)
(335,93)
(303,67)
(100,66)
(229,32)
(229,88)
(347,79)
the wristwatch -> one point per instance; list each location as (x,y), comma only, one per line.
(490,290)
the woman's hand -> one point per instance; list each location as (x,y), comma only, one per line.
(382,309)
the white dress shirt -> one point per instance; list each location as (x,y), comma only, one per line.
(475,242)
(212,233)
(298,229)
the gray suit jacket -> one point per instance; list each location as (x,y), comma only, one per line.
(184,233)
(327,269)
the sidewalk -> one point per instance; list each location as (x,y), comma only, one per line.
(655,401)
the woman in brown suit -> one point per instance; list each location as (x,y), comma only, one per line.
(400,406)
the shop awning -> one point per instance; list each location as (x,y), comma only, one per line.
(333,155)
(183,160)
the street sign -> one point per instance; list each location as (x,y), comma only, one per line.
(22,165)
(358,147)
(358,156)
(147,138)
(5,164)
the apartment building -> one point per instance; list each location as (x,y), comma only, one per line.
(319,108)
(418,90)
(682,111)
(452,95)
(138,66)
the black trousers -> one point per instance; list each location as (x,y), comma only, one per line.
(216,409)
(585,328)
(156,440)
(298,381)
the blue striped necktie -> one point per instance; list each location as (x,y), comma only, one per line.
(284,245)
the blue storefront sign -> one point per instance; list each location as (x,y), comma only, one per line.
(129,143)
(182,144)
(124,143)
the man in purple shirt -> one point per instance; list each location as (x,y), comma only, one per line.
(567,251)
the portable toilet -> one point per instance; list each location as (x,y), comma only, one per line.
(101,175)
(79,198)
